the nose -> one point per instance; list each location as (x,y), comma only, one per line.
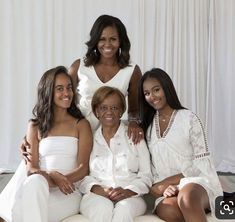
(66,92)
(152,96)
(107,42)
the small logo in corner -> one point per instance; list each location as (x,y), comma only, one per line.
(225,207)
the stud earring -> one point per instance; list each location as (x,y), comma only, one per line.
(120,51)
(95,52)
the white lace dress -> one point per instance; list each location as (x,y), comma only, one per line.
(56,153)
(89,82)
(183,149)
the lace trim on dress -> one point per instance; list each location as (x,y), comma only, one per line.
(198,138)
(198,156)
(157,126)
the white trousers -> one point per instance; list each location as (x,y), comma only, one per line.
(100,209)
(38,203)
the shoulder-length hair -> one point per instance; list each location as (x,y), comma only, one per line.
(93,56)
(102,93)
(43,111)
(147,112)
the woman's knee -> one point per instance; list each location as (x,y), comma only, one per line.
(97,204)
(169,211)
(192,196)
(36,182)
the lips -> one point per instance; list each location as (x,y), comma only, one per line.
(107,50)
(66,99)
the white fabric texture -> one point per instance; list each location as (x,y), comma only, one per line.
(191,39)
(89,82)
(105,210)
(123,164)
(26,199)
(183,149)
(221,69)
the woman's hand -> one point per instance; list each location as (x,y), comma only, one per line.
(170,191)
(156,190)
(135,132)
(24,150)
(62,182)
(119,193)
(102,191)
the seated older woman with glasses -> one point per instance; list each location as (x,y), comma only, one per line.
(119,170)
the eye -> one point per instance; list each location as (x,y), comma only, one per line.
(146,93)
(101,39)
(103,108)
(156,89)
(70,88)
(59,88)
(114,108)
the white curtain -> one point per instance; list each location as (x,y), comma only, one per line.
(187,38)
(221,91)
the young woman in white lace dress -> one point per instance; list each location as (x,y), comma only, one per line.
(60,144)
(185,181)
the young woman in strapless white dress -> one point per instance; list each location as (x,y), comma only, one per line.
(60,144)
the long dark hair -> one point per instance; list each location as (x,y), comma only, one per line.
(147,112)
(43,111)
(93,56)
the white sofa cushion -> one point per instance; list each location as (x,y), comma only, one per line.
(145,218)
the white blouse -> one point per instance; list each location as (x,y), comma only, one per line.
(123,164)
(183,149)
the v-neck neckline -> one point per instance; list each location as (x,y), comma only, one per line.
(96,74)
(157,125)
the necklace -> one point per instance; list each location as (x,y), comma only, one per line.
(164,117)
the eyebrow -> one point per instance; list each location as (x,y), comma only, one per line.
(158,85)
(59,85)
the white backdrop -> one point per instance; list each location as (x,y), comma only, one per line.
(191,39)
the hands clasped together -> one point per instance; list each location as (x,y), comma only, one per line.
(114,194)
(54,178)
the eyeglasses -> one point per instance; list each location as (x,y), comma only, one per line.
(106,108)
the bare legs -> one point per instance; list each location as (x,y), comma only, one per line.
(193,200)
(189,205)
(168,210)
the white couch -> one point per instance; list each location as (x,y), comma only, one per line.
(148,217)
(145,218)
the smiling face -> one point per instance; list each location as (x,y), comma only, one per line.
(109,43)
(110,111)
(154,94)
(63,91)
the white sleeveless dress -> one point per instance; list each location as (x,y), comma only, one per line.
(29,198)
(89,82)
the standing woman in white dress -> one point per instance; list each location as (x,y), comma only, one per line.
(60,144)
(185,181)
(107,63)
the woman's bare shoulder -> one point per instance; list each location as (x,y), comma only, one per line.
(83,124)
(75,65)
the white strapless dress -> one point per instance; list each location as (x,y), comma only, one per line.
(55,153)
